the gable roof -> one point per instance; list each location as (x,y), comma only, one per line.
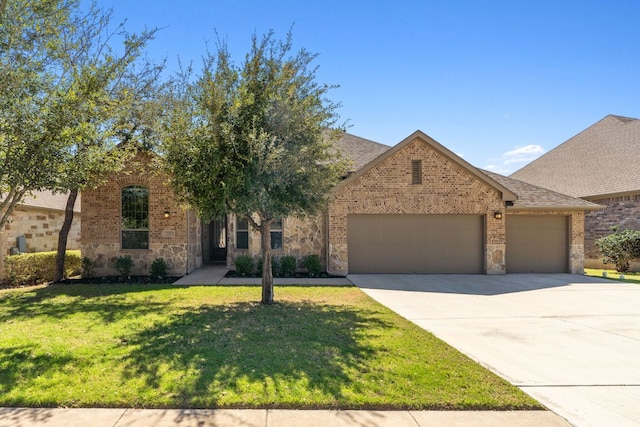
(534,197)
(603,159)
(522,195)
(359,151)
(507,194)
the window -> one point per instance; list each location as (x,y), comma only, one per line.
(135,217)
(416,171)
(276,234)
(242,233)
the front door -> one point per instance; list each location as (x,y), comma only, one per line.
(218,240)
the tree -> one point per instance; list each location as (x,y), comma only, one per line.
(68,96)
(106,96)
(256,140)
(31,34)
(620,248)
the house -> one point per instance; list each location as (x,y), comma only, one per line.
(602,165)
(35,224)
(412,208)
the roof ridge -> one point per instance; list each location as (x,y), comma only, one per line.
(562,145)
(624,119)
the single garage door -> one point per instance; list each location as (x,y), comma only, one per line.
(537,244)
(415,243)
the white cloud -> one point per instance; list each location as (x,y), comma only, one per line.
(497,169)
(513,159)
(522,155)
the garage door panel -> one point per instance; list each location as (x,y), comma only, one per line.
(537,244)
(415,243)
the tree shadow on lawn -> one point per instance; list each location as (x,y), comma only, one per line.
(108,301)
(251,355)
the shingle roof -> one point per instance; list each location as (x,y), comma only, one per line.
(359,151)
(534,197)
(48,200)
(602,159)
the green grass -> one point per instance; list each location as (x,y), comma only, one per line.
(160,346)
(629,277)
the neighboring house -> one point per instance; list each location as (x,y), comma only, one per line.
(413,208)
(602,165)
(35,224)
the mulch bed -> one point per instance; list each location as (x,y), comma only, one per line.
(133,280)
(234,274)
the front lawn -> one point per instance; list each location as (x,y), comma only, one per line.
(161,346)
(630,277)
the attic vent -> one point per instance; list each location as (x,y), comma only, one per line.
(416,171)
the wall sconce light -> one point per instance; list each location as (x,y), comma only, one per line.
(167,214)
(497,215)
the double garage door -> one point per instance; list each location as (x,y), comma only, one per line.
(415,243)
(452,244)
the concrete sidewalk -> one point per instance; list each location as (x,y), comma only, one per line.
(36,417)
(214,275)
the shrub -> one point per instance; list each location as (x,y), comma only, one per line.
(620,248)
(124,264)
(288,264)
(313,265)
(158,268)
(39,267)
(88,267)
(244,265)
(274,266)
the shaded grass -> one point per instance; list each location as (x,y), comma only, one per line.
(629,276)
(214,347)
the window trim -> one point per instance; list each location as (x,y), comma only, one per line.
(123,230)
(277,230)
(242,230)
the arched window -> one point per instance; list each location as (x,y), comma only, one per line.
(135,217)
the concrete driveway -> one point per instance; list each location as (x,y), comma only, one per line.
(571,342)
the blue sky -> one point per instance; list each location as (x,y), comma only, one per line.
(498,82)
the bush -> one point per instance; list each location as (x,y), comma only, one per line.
(313,265)
(39,267)
(620,248)
(158,268)
(288,265)
(274,266)
(87,267)
(244,265)
(124,264)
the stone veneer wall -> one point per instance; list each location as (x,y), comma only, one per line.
(40,227)
(301,237)
(386,188)
(622,211)
(175,239)
(576,235)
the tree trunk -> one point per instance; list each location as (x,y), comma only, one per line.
(267,274)
(64,234)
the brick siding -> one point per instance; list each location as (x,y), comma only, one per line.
(386,188)
(622,211)
(175,239)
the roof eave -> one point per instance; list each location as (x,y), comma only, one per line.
(594,207)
